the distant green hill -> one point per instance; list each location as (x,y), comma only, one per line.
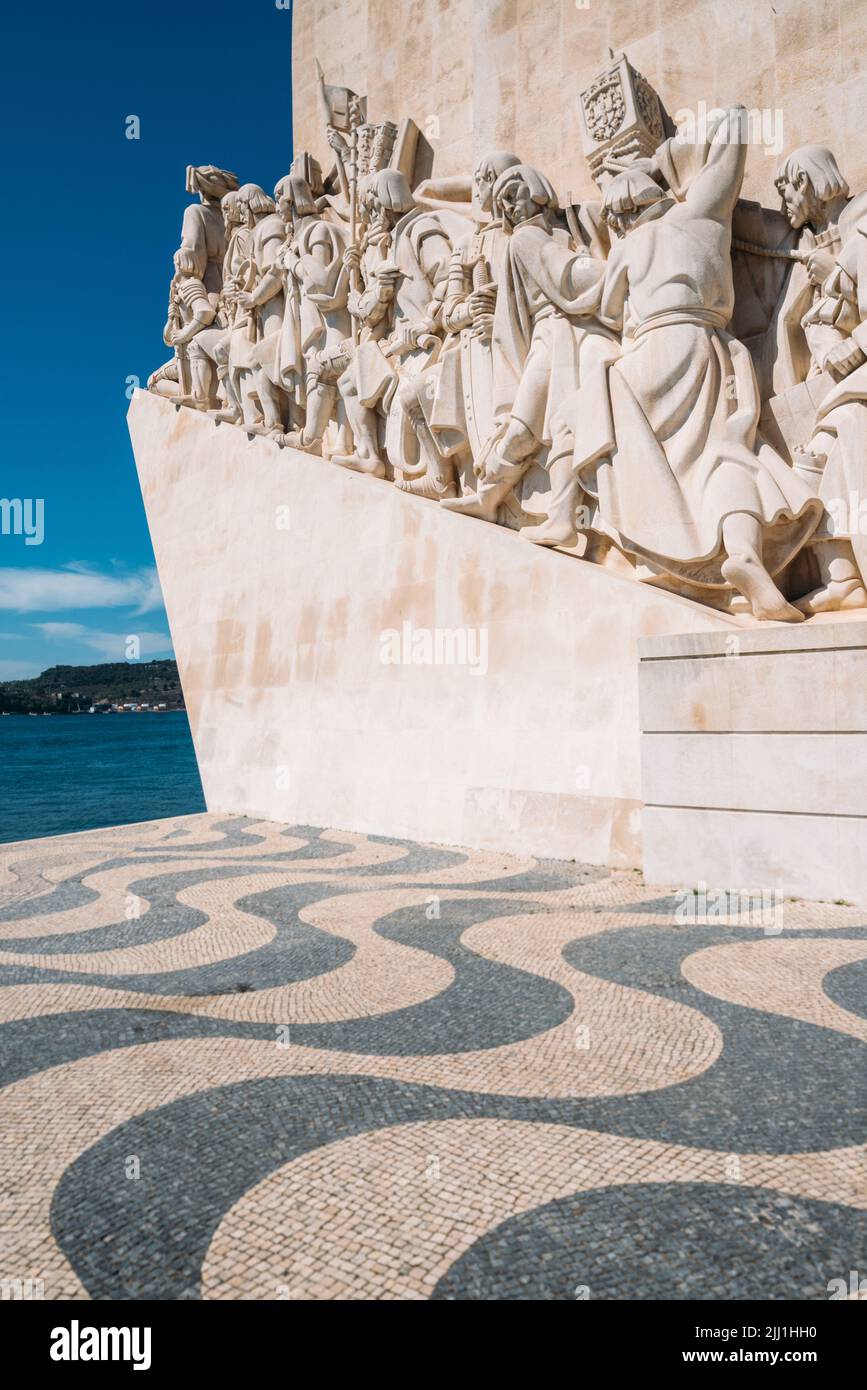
(66,689)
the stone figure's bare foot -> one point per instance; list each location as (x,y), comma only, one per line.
(227,416)
(373,466)
(757,586)
(836,596)
(476,504)
(550,533)
(436,489)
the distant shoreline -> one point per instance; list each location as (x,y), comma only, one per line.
(109,687)
(65,713)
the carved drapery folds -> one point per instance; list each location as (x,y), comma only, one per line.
(575,374)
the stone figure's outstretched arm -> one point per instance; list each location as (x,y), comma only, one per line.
(708,175)
(455,193)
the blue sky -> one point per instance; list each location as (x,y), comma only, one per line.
(92,220)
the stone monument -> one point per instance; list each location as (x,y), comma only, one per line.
(454,440)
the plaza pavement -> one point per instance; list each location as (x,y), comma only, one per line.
(244,1060)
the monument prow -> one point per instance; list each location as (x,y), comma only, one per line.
(316,618)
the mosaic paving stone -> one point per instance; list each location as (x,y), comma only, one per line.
(244,1060)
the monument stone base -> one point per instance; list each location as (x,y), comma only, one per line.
(358,658)
(754,750)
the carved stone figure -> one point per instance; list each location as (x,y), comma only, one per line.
(315,344)
(191,310)
(203,232)
(209,349)
(403,262)
(451,402)
(546,339)
(585,374)
(830,290)
(263,302)
(684,481)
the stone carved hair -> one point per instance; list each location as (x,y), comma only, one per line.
(390,189)
(296,191)
(539,188)
(251,196)
(821,168)
(497,163)
(229,204)
(630,191)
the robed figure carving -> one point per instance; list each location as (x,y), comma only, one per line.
(684,481)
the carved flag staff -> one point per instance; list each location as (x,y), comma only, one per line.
(344,111)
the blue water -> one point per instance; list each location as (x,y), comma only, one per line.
(79,772)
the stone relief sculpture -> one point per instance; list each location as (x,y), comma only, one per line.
(573,372)
(316,327)
(546,340)
(191,310)
(203,230)
(829,287)
(684,480)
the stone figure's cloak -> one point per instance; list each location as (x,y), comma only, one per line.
(682,404)
(545,330)
(204,234)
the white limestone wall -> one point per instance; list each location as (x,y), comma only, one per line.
(281,573)
(479,75)
(754,754)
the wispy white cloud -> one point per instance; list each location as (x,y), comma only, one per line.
(78,586)
(113,646)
